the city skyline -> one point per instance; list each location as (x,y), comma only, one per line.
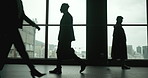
(39,51)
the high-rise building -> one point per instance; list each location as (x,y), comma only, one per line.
(139,49)
(130,50)
(145,52)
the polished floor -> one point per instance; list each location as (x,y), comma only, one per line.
(22,71)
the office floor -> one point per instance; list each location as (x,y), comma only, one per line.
(22,71)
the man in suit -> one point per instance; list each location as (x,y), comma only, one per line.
(13,16)
(66,36)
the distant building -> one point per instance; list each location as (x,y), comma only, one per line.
(39,51)
(130,50)
(52,51)
(145,52)
(139,49)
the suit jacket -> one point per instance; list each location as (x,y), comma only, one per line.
(66,32)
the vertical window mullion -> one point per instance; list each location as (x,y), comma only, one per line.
(46,30)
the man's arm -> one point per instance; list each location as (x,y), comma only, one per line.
(30,21)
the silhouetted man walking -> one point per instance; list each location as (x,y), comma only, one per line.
(12,19)
(66,36)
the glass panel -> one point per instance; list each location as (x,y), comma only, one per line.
(34,41)
(133,11)
(52,41)
(136,41)
(79,45)
(35,10)
(39,49)
(79,14)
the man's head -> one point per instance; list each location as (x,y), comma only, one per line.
(64,8)
(119,19)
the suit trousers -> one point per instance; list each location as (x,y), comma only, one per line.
(65,52)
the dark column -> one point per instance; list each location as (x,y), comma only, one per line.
(46,31)
(96,32)
(147,21)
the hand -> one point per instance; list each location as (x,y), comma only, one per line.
(38,28)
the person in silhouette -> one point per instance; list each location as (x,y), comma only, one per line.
(13,16)
(119,48)
(65,37)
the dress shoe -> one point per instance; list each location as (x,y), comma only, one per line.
(36,73)
(56,71)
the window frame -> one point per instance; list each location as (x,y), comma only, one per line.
(47,60)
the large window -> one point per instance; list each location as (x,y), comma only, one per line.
(134,24)
(79,21)
(35,41)
(43,43)
(79,44)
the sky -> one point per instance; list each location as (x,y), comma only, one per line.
(133,12)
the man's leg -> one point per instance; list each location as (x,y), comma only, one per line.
(75,57)
(19,45)
(78,59)
(5,47)
(3,57)
(58,68)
